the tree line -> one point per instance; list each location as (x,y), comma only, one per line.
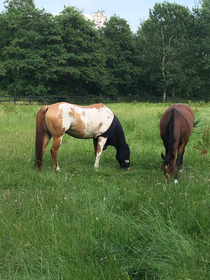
(42,54)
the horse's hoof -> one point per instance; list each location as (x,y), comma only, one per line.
(176,181)
(96,168)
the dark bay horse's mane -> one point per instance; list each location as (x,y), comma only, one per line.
(170,139)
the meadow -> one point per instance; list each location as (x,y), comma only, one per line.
(110,224)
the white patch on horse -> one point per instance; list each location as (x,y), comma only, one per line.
(92,118)
(57,168)
(63,107)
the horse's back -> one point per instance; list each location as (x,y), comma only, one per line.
(186,117)
(78,121)
(183,119)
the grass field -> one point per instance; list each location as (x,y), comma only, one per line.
(82,224)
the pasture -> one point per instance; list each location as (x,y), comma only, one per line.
(82,224)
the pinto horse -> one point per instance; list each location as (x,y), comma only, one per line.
(85,122)
(176,125)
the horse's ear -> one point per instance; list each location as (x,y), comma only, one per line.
(162,155)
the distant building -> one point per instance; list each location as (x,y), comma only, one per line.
(98,19)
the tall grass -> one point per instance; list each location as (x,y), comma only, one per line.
(110,224)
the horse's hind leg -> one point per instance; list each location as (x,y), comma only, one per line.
(54,151)
(46,140)
(98,150)
(179,160)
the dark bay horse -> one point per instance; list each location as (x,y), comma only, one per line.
(96,121)
(176,125)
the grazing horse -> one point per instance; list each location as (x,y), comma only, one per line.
(84,122)
(176,125)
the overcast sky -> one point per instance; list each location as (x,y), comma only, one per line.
(131,10)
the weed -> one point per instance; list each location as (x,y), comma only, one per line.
(9,106)
(204,143)
(202,104)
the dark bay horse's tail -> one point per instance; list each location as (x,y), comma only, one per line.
(170,138)
(40,124)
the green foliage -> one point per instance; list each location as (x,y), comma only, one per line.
(34,54)
(42,54)
(14,4)
(85,59)
(110,224)
(163,42)
(121,56)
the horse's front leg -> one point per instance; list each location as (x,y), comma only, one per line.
(54,151)
(98,146)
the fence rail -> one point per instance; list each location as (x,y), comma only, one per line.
(87,100)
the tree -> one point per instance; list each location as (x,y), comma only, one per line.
(120,56)
(200,54)
(14,4)
(163,41)
(32,53)
(85,59)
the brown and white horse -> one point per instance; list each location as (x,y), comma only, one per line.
(84,122)
(176,125)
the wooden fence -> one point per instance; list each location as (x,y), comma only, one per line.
(87,100)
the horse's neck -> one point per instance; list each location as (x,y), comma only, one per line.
(120,137)
(116,136)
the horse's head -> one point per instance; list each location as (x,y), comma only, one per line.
(123,158)
(168,170)
(125,165)
(167,167)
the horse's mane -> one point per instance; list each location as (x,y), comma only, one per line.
(170,139)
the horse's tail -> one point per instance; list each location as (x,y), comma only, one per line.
(40,123)
(170,137)
(197,123)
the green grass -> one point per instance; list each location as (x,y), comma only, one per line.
(107,224)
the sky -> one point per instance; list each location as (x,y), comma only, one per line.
(133,11)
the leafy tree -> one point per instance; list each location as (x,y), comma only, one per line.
(120,53)
(32,52)
(45,55)
(200,50)
(85,59)
(14,4)
(163,41)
